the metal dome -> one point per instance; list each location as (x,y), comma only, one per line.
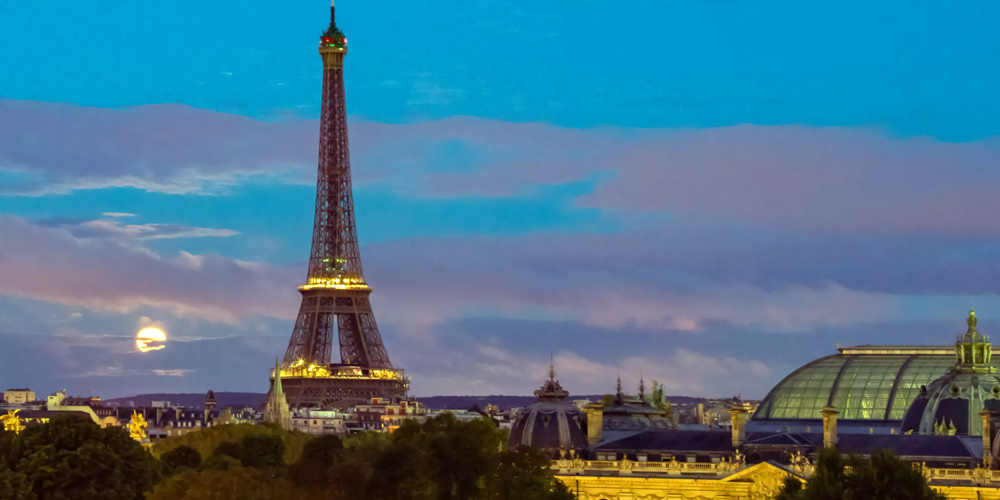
(866,383)
(551,424)
(875,385)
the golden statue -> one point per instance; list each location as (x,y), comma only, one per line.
(12,422)
(136,427)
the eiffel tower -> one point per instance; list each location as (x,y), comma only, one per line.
(335,301)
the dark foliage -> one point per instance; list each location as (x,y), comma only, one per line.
(230,449)
(71,458)
(263,451)
(883,476)
(180,457)
(323,450)
(442,459)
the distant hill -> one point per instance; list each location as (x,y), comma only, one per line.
(256,399)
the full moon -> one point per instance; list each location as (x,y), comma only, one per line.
(150,339)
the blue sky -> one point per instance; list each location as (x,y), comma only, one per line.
(711,193)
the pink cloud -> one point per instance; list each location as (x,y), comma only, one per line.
(167,148)
(493,370)
(103,274)
(787,176)
(424,282)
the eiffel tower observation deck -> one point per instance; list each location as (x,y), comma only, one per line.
(335,307)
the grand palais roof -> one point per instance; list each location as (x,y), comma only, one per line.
(866,383)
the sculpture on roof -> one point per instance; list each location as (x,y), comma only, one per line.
(137,427)
(12,422)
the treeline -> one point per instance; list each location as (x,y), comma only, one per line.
(443,459)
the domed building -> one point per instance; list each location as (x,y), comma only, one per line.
(551,424)
(871,386)
(952,403)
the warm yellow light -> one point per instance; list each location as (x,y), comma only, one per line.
(150,339)
(339,283)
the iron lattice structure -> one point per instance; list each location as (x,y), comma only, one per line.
(335,301)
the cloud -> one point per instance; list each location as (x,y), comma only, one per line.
(635,280)
(102,274)
(118,371)
(671,278)
(781,176)
(97,228)
(164,148)
(494,370)
(118,214)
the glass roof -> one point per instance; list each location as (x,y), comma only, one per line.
(863,386)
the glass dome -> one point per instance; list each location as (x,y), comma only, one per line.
(866,383)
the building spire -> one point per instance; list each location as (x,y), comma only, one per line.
(971,321)
(973,352)
(642,387)
(276,410)
(551,390)
(277,379)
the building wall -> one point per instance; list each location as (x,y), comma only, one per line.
(18,397)
(756,482)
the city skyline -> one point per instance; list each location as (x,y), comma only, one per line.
(547,188)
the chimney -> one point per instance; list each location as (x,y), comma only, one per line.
(989,428)
(829,427)
(595,422)
(739,415)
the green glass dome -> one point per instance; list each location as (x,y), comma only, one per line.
(865,383)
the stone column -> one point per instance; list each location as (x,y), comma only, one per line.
(595,422)
(988,430)
(829,427)
(738,418)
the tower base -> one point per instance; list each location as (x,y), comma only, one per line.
(322,391)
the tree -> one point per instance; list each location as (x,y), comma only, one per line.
(179,458)
(263,451)
(405,473)
(208,439)
(70,458)
(230,449)
(15,486)
(318,456)
(458,454)
(882,476)
(658,399)
(524,474)
(323,450)
(242,483)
